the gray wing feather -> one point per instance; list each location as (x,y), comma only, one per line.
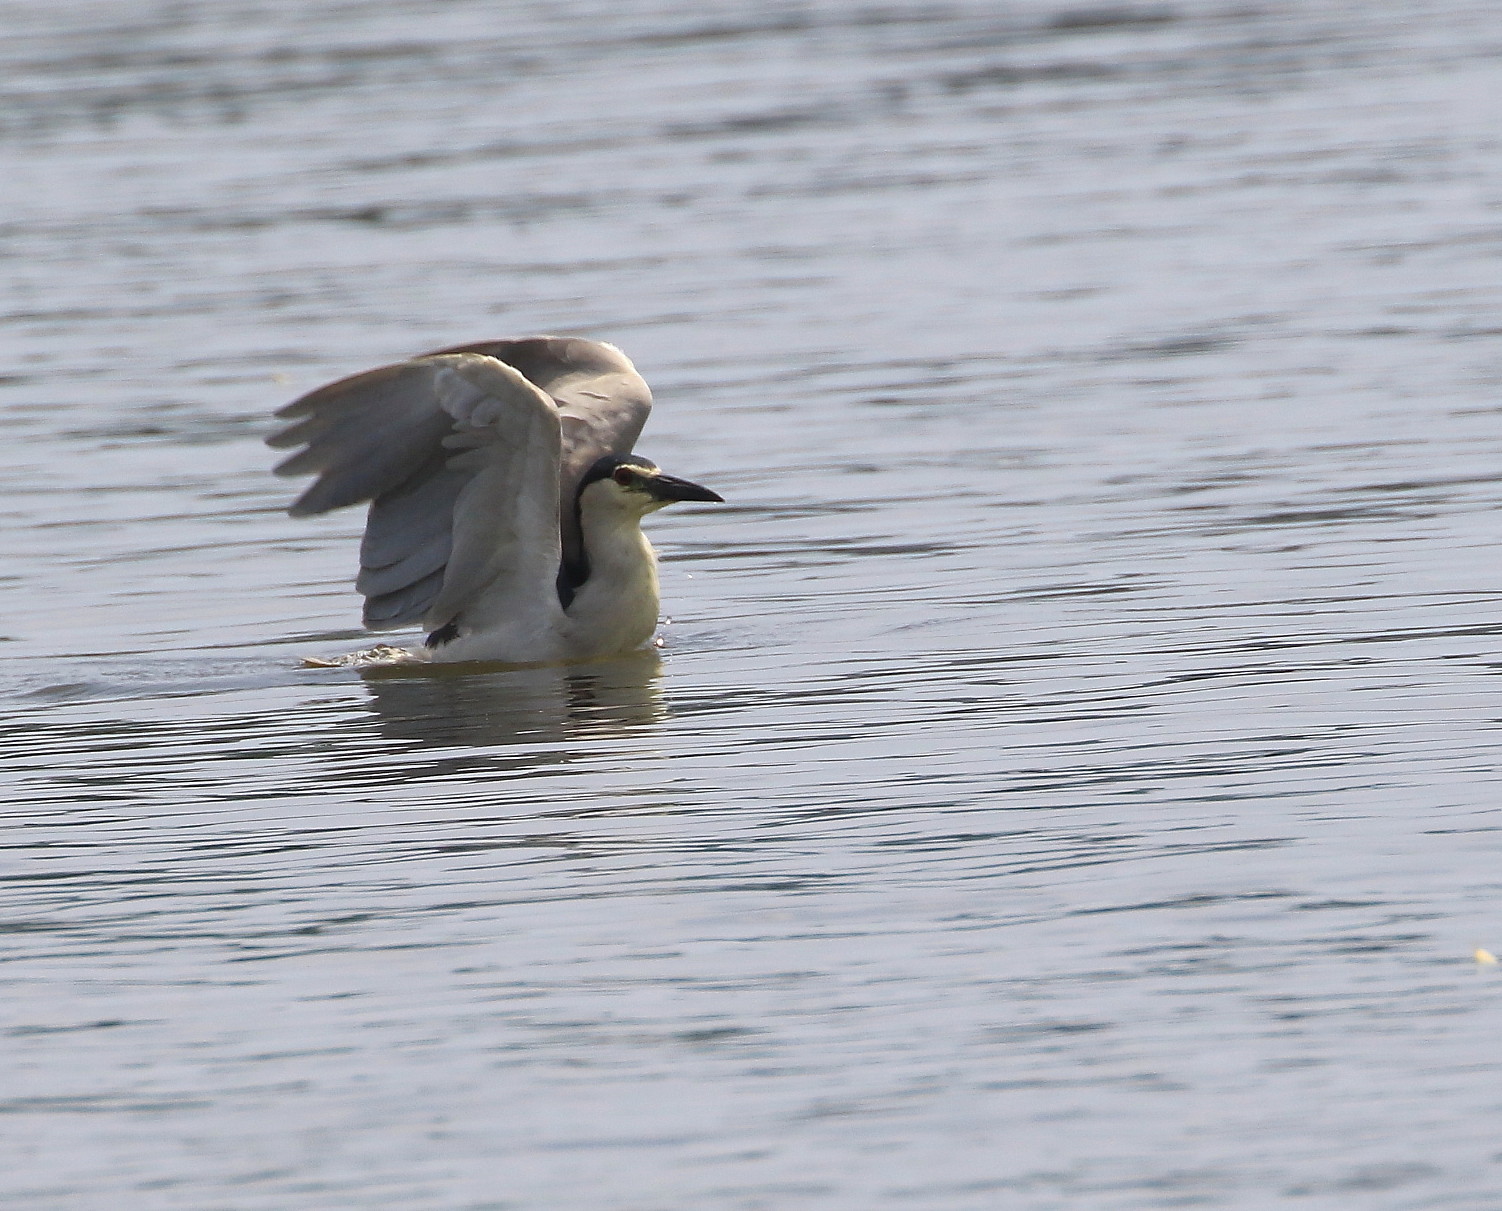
(505,534)
(364,436)
(602,401)
(399,438)
(404,606)
(409,532)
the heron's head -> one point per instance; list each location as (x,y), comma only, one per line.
(637,484)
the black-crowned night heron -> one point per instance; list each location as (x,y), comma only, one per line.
(505,502)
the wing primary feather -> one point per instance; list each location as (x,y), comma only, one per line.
(404,607)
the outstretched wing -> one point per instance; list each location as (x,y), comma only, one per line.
(602,405)
(382,436)
(459,457)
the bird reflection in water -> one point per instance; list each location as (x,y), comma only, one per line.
(536,706)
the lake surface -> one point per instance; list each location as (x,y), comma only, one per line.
(1071,778)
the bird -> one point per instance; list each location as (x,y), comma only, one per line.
(505,499)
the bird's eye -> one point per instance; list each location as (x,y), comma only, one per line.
(624,476)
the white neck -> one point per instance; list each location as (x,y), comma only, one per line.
(615,609)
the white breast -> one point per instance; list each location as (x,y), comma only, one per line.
(615,610)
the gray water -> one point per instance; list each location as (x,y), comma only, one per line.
(1071,778)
